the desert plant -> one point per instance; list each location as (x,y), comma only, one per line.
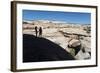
(87,29)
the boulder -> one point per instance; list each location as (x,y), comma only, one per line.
(74,43)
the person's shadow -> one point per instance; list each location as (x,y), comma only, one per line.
(37,49)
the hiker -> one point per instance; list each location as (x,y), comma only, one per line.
(36,30)
(40,31)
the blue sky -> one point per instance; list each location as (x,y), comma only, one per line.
(70,17)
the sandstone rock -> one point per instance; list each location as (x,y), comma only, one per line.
(74,43)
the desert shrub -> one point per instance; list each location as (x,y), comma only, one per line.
(72,51)
(25,22)
(87,29)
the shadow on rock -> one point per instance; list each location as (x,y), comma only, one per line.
(37,49)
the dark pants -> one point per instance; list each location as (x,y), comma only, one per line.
(36,33)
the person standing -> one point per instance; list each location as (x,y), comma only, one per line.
(40,32)
(36,30)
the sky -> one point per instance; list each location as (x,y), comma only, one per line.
(69,17)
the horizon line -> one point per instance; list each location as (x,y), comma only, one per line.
(61,21)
